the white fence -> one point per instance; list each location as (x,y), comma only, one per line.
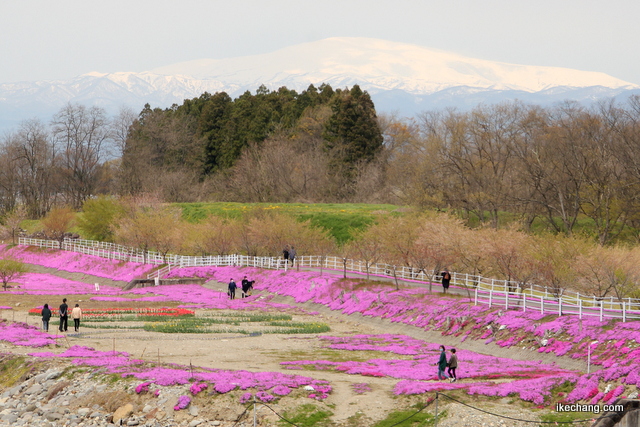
(483,290)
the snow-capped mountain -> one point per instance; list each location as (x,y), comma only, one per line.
(400,77)
(381,65)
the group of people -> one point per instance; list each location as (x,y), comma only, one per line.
(443,364)
(247,285)
(289,254)
(76,315)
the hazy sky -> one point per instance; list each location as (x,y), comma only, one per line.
(57,39)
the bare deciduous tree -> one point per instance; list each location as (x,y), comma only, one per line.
(82,135)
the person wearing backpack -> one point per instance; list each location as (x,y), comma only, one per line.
(446,279)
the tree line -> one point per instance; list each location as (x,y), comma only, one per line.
(554,166)
(271,145)
(558,165)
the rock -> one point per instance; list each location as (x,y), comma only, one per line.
(309,388)
(52,375)
(34,389)
(147,409)
(30,407)
(83,412)
(216,423)
(195,423)
(151,413)
(133,422)
(633,395)
(9,418)
(53,416)
(101,388)
(193,410)
(122,412)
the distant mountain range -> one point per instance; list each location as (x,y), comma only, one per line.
(401,78)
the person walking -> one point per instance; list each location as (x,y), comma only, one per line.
(64,315)
(46,315)
(232,289)
(246,285)
(285,254)
(442,364)
(76,314)
(292,255)
(446,279)
(453,364)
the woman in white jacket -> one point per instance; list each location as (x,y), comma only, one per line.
(76,314)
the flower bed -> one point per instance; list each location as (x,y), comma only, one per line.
(79,263)
(453,316)
(222,381)
(18,333)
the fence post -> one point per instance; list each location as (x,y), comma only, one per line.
(506,301)
(601,310)
(580,309)
(624,312)
(524,302)
(541,305)
(560,306)
(490,295)
(476,299)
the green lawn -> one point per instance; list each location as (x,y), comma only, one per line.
(340,219)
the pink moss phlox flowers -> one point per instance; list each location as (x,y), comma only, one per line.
(142,387)
(79,263)
(197,388)
(265,397)
(19,333)
(183,402)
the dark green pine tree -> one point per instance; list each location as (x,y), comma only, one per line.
(214,126)
(352,131)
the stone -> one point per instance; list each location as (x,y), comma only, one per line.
(30,407)
(53,375)
(133,422)
(147,409)
(216,423)
(83,412)
(9,418)
(151,413)
(195,423)
(122,412)
(53,416)
(101,388)
(193,410)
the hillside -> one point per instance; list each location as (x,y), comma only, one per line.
(381,344)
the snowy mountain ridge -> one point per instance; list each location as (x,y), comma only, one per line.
(404,78)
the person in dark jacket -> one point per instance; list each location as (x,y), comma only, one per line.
(64,315)
(246,286)
(232,289)
(453,364)
(46,315)
(446,279)
(442,364)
